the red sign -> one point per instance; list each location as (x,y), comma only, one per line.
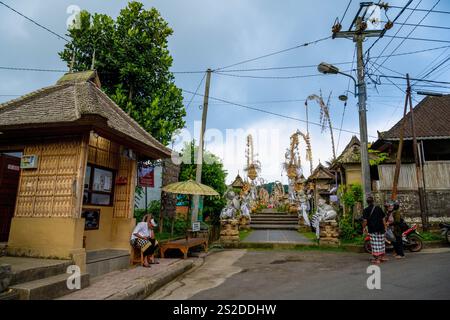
(121,180)
(146,176)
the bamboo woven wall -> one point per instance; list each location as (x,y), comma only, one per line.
(51,189)
(436,174)
(406,181)
(103,152)
(124,193)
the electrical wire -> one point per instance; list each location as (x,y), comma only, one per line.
(345,104)
(36,23)
(422,10)
(274,53)
(196,90)
(272,113)
(32,69)
(346,9)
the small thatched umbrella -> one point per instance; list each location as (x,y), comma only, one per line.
(189,187)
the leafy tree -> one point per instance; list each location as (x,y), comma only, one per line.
(133,61)
(213,175)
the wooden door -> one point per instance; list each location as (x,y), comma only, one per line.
(9,182)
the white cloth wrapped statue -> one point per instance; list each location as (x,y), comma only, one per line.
(304,207)
(325,212)
(233,204)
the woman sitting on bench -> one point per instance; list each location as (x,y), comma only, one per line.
(143,238)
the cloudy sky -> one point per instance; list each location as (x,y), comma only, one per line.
(214,34)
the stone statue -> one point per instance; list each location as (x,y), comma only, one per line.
(304,206)
(325,212)
(233,205)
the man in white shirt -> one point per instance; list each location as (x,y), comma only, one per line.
(143,238)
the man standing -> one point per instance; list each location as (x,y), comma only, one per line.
(374,219)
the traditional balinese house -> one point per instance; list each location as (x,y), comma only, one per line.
(432,119)
(348,164)
(321,181)
(78,157)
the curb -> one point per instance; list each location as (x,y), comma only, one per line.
(146,286)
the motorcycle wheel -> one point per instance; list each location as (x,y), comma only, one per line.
(415,243)
(367,246)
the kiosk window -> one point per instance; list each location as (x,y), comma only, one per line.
(98,186)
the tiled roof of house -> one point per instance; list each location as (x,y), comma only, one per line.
(238,182)
(72,97)
(320,172)
(431,119)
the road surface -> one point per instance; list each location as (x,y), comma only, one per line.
(283,274)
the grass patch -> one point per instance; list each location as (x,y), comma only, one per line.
(309,235)
(430,236)
(244,234)
(166,236)
(359,240)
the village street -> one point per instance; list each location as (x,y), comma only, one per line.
(282,275)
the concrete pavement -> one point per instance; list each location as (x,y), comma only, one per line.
(276,236)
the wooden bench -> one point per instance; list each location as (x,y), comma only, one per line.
(184,245)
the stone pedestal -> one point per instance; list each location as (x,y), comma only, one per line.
(302,227)
(244,223)
(329,233)
(229,233)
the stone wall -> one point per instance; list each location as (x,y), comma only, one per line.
(170,173)
(438,204)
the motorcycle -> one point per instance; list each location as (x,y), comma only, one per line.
(412,240)
(445,229)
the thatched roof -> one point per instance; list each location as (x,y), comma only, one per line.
(238,182)
(321,173)
(76,100)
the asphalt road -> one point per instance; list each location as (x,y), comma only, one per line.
(286,275)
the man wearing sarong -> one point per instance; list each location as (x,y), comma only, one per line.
(143,238)
(374,219)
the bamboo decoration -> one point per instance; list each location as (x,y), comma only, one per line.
(324,116)
(253,167)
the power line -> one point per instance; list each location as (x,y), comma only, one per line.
(345,104)
(423,10)
(384,31)
(270,77)
(196,90)
(419,39)
(271,113)
(413,29)
(421,26)
(273,53)
(36,23)
(32,69)
(346,9)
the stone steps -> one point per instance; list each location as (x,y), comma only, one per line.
(39,272)
(263,222)
(270,219)
(274,226)
(47,288)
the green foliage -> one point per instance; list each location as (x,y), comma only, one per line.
(347,231)
(213,175)
(154,208)
(283,208)
(133,61)
(380,157)
(350,196)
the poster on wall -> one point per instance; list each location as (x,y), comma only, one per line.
(146,176)
(92,219)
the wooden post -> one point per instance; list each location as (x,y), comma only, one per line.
(423,211)
(398,162)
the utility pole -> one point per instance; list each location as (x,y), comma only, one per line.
(419,175)
(358,35)
(198,173)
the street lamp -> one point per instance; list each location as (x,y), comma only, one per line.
(327,68)
(360,92)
